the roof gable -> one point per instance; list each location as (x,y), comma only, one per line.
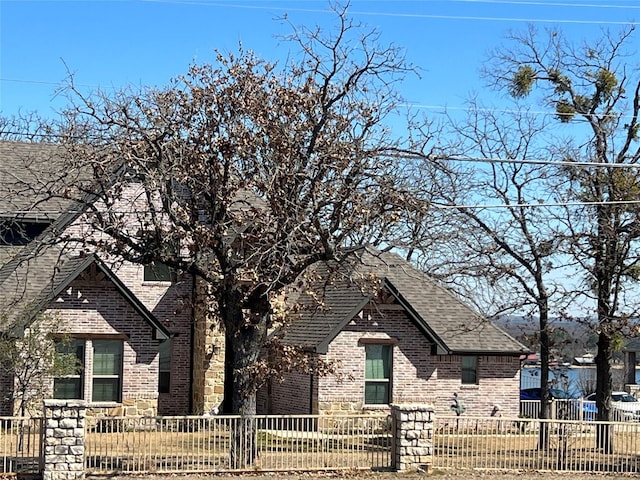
(331,302)
(29,283)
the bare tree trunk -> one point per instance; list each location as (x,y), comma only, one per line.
(244,340)
(545,397)
(607,249)
(604,434)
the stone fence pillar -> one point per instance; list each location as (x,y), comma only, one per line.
(412,443)
(64,439)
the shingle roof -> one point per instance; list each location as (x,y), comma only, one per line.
(32,179)
(448,322)
(29,282)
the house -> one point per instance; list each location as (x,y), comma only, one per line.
(394,336)
(137,320)
(114,336)
(392,333)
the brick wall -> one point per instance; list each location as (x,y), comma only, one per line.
(291,397)
(498,385)
(95,308)
(171,304)
(413,369)
(418,376)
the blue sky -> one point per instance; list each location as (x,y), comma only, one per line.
(114,43)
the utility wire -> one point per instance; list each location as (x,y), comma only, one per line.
(440,206)
(421,106)
(554,163)
(490,206)
(397,15)
(428,157)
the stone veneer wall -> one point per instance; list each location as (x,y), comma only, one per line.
(64,455)
(142,405)
(208,356)
(412,442)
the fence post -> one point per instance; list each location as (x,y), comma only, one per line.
(64,439)
(412,443)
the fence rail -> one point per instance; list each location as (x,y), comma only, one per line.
(576,409)
(20,444)
(307,443)
(228,443)
(565,409)
(534,444)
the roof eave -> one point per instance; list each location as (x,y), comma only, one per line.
(160,332)
(494,353)
(323,346)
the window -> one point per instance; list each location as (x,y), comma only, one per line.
(158,272)
(105,378)
(377,386)
(20,233)
(469,370)
(107,370)
(164,379)
(70,357)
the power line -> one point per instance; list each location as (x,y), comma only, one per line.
(534,205)
(405,15)
(440,206)
(557,163)
(534,161)
(443,108)
(45,82)
(454,158)
(507,110)
(550,4)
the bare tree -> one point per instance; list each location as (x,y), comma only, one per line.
(504,251)
(243,174)
(31,361)
(592,88)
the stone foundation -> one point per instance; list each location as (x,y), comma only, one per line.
(136,406)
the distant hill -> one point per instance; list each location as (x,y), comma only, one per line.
(570,338)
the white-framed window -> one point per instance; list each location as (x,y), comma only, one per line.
(378,368)
(70,386)
(105,376)
(469,370)
(107,371)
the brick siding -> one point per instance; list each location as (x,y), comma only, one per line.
(418,376)
(87,309)
(291,397)
(172,304)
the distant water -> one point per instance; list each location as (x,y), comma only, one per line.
(571,379)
